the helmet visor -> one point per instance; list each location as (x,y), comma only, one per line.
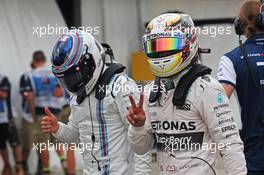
(77,76)
(72,82)
(160,45)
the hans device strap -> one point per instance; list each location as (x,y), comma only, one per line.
(183,86)
(100,89)
(154,95)
(113,69)
(186,81)
(81,95)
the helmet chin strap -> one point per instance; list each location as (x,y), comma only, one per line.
(84,91)
(81,94)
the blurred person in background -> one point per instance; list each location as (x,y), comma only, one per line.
(40,89)
(187,112)
(87,69)
(27,120)
(8,130)
(242,69)
(28,124)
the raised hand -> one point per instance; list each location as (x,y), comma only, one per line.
(49,123)
(136,115)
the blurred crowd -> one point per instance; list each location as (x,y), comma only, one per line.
(38,89)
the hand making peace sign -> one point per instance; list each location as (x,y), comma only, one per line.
(136,115)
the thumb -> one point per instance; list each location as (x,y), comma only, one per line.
(48,113)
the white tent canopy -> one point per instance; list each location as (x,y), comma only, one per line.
(19,21)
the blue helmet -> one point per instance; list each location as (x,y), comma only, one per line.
(77,61)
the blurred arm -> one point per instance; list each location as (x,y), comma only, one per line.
(5,93)
(128,87)
(228,89)
(227,75)
(26,90)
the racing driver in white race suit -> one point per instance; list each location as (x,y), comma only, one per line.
(98,106)
(191,124)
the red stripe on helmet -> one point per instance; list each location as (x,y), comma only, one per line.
(78,46)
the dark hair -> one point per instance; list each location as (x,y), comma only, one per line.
(32,66)
(248,15)
(39,56)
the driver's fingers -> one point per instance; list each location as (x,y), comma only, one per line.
(46,126)
(129,118)
(138,118)
(43,122)
(46,118)
(48,112)
(131,111)
(141,100)
(132,101)
(47,130)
